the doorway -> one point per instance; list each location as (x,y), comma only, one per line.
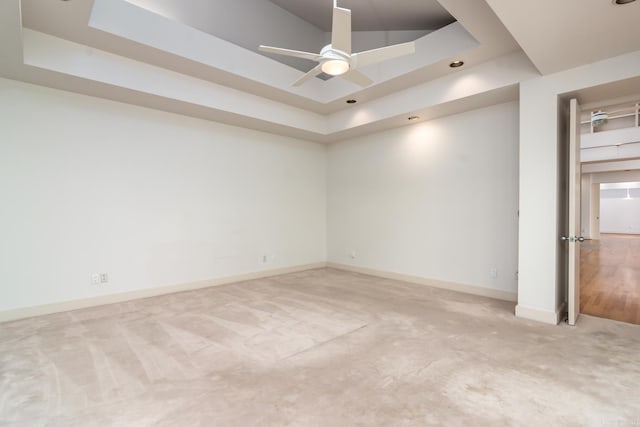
(610,277)
(610,261)
(608,282)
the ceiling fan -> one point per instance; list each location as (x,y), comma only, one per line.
(336,58)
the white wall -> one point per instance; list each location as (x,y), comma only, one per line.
(619,214)
(585,206)
(540,289)
(151,198)
(591,192)
(436,200)
(594,211)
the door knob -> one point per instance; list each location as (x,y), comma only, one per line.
(572,239)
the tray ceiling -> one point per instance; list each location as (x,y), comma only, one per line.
(198,58)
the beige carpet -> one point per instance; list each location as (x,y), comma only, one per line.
(319,348)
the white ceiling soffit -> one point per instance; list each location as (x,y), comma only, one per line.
(558,35)
(602,96)
(117,50)
(615,166)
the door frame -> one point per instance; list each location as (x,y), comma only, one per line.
(574,236)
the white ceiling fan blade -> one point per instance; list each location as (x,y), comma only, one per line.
(368,57)
(311,74)
(289,52)
(341,30)
(357,77)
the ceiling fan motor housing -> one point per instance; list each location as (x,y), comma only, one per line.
(328,52)
(336,58)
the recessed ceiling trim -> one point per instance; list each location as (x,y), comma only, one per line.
(450,88)
(147,28)
(62,56)
(138,71)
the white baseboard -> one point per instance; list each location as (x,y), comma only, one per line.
(22,313)
(468,289)
(544,316)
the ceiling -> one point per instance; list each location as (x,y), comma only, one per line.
(376,23)
(199,58)
(373,15)
(557,35)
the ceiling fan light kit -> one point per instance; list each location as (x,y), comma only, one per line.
(336,59)
(335,67)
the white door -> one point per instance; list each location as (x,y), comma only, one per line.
(574,238)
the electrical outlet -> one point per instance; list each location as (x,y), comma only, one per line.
(493,273)
(95,279)
(352,254)
(104,278)
(264,259)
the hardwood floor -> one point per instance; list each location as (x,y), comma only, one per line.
(610,277)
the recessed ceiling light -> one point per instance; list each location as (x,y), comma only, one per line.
(411,118)
(623,1)
(456,64)
(351,101)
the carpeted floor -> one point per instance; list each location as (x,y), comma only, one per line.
(318,348)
